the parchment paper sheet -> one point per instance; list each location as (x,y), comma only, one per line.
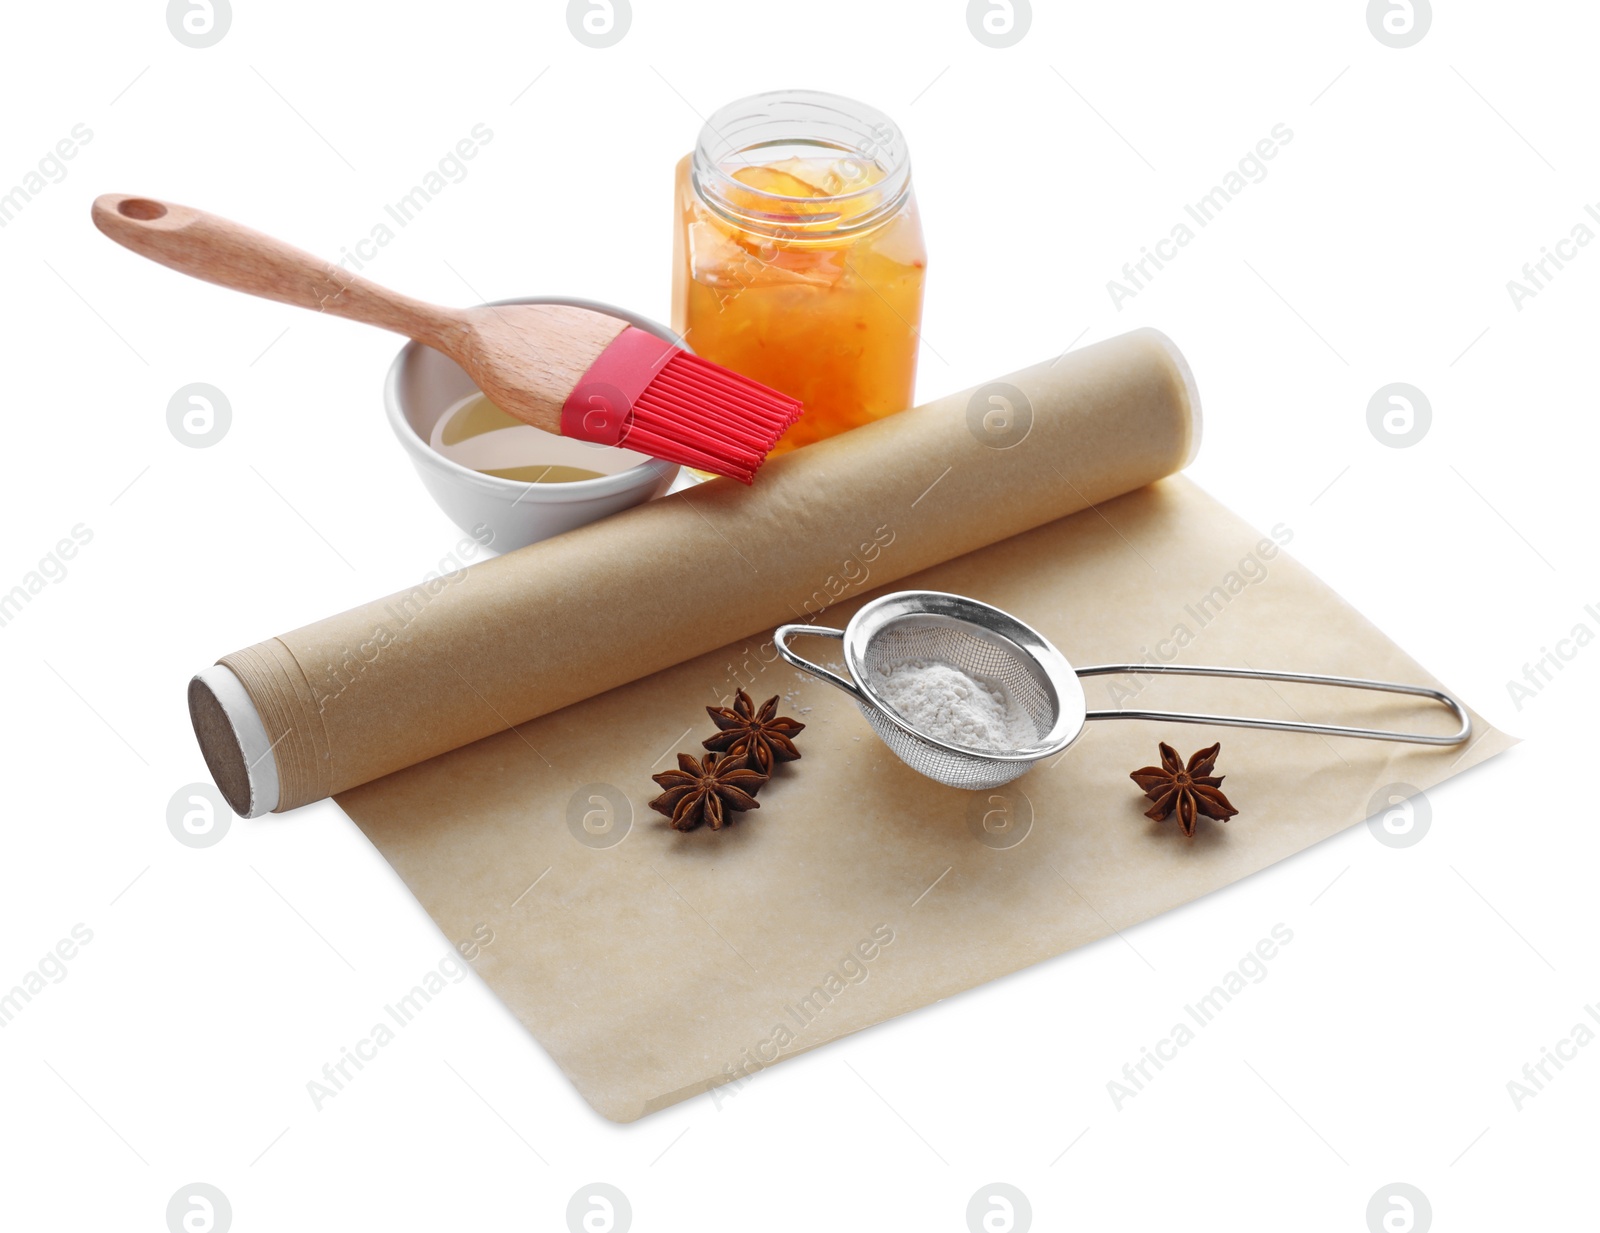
(655,968)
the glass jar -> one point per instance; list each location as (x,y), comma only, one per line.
(798,257)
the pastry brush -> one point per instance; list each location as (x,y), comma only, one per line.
(568,370)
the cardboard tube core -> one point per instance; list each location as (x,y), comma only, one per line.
(233,741)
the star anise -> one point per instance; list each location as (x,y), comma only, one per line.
(768,738)
(707,791)
(1189,790)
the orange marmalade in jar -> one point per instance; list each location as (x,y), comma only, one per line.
(798,257)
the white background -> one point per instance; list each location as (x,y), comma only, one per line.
(1419,982)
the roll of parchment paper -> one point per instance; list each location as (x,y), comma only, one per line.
(357,696)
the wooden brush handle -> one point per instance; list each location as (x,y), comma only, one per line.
(205,246)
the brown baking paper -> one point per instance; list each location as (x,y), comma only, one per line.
(668,963)
(653,965)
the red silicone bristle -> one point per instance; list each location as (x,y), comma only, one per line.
(703,415)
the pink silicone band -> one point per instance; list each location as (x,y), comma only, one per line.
(600,407)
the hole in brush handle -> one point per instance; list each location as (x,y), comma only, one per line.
(141,209)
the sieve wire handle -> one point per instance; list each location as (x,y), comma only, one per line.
(1306,678)
(780,638)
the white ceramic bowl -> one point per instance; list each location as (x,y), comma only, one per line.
(422,385)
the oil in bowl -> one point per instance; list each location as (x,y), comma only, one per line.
(479,435)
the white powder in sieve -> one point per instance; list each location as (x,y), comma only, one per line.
(945,703)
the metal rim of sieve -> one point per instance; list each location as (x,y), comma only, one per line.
(1031,649)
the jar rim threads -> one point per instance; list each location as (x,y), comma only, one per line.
(756,131)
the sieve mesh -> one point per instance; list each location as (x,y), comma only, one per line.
(975,651)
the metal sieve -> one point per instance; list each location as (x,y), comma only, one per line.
(996,648)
